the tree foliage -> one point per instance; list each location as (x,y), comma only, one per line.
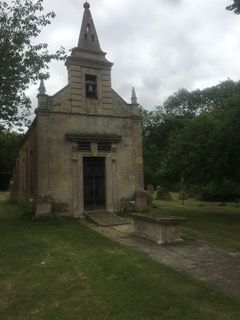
(9,144)
(189,104)
(21,60)
(195,136)
(235,6)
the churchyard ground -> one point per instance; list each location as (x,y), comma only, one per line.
(62,270)
(218,223)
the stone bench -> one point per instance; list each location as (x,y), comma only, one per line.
(157,229)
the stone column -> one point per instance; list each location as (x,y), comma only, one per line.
(80,183)
(43,154)
(77,186)
(115,184)
(109,184)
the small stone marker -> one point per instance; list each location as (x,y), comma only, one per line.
(150,188)
(141,200)
(43,209)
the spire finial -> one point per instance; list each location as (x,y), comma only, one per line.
(88,39)
(42,89)
(86,5)
(134,97)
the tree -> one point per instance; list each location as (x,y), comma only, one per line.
(21,61)
(206,154)
(235,7)
(156,129)
(196,136)
(9,144)
(186,104)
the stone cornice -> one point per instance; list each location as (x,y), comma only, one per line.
(89,63)
(77,137)
(99,115)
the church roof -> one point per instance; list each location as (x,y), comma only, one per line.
(134,97)
(88,39)
(88,52)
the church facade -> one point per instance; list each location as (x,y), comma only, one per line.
(84,147)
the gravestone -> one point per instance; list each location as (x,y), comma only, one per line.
(141,200)
(150,188)
(43,209)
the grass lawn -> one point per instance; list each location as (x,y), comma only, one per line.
(61,270)
(208,221)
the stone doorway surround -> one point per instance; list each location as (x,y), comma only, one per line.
(94,183)
(85,145)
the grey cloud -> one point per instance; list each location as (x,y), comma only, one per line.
(158,45)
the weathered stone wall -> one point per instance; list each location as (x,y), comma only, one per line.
(55,168)
(24,184)
(60,166)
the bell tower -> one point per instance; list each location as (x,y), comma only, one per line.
(89,72)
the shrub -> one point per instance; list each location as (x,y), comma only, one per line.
(150,198)
(225,190)
(29,208)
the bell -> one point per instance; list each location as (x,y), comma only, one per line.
(90,88)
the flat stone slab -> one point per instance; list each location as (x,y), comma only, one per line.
(157,229)
(157,219)
(104,219)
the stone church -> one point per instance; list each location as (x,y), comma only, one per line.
(84,146)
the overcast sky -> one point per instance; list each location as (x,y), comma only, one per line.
(158,46)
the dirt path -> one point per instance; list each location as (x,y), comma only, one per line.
(219,268)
